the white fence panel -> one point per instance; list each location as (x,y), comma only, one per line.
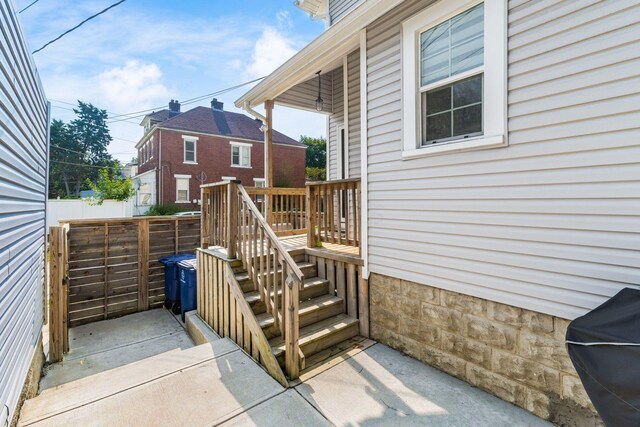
(58,210)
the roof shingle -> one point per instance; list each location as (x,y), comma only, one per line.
(224,123)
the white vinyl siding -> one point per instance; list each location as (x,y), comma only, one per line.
(336,121)
(353,67)
(23,178)
(339,8)
(550,223)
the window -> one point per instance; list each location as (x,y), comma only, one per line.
(457,52)
(144,194)
(259,182)
(190,149)
(240,155)
(150,148)
(182,188)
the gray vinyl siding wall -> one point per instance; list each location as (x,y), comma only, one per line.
(339,8)
(550,223)
(23,166)
(335,121)
(353,82)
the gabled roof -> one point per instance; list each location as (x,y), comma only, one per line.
(223,123)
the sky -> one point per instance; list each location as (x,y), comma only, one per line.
(143,53)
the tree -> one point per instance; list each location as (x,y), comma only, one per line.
(78,150)
(110,185)
(316,151)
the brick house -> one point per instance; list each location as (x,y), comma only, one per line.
(182,150)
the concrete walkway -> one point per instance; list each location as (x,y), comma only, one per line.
(218,384)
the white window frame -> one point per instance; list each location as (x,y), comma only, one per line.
(494,99)
(228,178)
(263,181)
(241,145)
(194,139)
(179,177)
(151,148)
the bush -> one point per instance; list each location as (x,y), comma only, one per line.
(163,210)
(316,174)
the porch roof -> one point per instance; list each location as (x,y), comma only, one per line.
(324,52)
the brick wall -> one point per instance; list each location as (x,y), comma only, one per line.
(214,160)
(513,353)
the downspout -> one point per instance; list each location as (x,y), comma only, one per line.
(254,113)
(159,186)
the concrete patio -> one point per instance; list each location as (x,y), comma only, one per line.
(143,369)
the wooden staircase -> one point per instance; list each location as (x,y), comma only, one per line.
(322,319)
(281,305)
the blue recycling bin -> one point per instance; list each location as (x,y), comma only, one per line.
(188,283)
(171,280)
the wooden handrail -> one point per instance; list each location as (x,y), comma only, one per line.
(270,234)
(257,242)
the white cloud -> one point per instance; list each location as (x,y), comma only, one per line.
(132,87)
(271,50)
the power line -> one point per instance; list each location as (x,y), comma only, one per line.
(142,113)
(84,165)
(71,109)
(32,3)
(78,26)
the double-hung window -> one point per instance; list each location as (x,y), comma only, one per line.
(190,149)
(182,188)
(454,85)
(240,155)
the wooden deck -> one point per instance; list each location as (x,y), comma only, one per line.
(327,249)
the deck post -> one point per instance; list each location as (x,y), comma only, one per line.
(268,158)
(232,219)
(310,213)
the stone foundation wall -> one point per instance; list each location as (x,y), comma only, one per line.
(513,353)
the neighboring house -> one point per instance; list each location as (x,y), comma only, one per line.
(498,145)
(129,170)
(24,149)
(203,145)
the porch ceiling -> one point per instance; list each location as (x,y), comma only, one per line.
(328,48)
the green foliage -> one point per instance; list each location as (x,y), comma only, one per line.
(316,151)
(110,185)
(78,151)
(163,210)
(316,174)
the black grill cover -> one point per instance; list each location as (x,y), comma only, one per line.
(610,367)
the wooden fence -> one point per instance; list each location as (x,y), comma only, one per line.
(111,266)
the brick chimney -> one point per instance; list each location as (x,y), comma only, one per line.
(217,105)
(174,106)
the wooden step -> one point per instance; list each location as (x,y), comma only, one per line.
(310,311)
(246,281)
(320,335)
(313,287)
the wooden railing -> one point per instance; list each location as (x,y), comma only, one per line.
(221,304)
(284,209)
(246,235)
(214,214)
(333,212)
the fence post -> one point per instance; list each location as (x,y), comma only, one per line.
(232,219)
(57,302)
(143,264)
